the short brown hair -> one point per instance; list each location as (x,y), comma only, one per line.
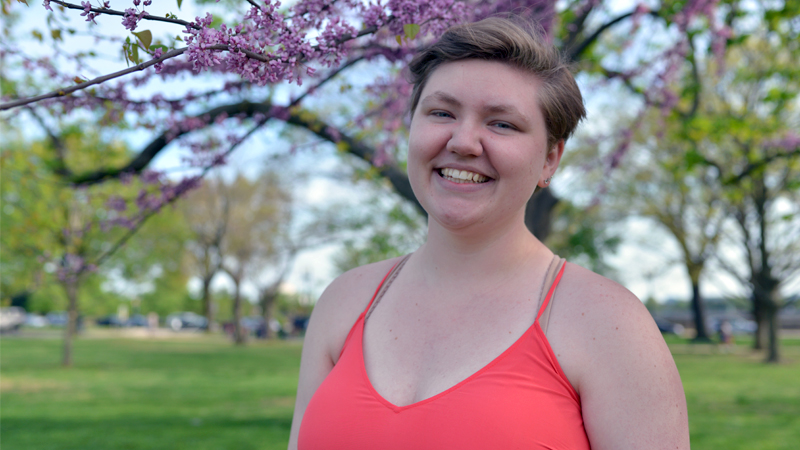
(521,46)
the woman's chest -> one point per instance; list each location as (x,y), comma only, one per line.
(422,344)
(519,400)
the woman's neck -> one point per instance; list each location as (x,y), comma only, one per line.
(463,256)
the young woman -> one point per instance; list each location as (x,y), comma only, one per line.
(482,338)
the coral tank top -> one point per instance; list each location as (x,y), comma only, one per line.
(520,400)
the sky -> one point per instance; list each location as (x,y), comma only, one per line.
(645,262)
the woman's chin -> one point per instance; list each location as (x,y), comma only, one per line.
(458,219)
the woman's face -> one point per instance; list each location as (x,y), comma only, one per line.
(478,144)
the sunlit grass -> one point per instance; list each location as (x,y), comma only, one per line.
(129,394)
(203,393)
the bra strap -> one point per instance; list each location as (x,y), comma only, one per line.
(553,276)
(385,283)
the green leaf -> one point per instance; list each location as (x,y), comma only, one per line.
(38,35)
(216,22)
(399,39)
(411,30)
(693,158)
(145,37)
(163,48)
(135,54)
(180,2)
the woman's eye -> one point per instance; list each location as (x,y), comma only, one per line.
(505,125)
(441,114)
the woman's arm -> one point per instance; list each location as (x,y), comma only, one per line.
(315,364)
(631,392)
(334,314)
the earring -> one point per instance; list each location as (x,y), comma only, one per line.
(547,181)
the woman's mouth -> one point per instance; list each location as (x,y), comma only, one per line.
(462,176)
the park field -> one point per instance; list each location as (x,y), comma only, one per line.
(203,393)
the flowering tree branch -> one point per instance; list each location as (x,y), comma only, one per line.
(112,12)
(99,80)
(174,195)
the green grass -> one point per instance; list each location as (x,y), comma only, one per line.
(205,394)
(130,394)
(738,402)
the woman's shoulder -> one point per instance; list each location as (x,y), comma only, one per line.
(594,319)
(613,354)
(344,299)
(355,287)
(601,297)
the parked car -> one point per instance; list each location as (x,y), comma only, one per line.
(136,320)
(11,318)
(111,320)
(34,320)
(665,326)
(186,320)
(57,318)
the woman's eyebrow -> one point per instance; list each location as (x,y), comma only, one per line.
(502,109)
(442,97)
(507,110)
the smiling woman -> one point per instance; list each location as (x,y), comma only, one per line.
(483,338)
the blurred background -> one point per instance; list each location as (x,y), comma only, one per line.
(164,236)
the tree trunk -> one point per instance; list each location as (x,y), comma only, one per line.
(770,307)
(699,314)
(267,301)
(772,354)
(208,306)
(239,335)
(538,212)
(759,317)
(71,289)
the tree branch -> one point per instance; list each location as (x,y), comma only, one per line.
(696,84)
(58,145)
(574,53)
(112,12)
(150,213)
(171,54)
(752,167)
(141,161)
(98,80)
(577,26)
(396,176)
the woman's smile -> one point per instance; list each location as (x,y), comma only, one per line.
(462,176)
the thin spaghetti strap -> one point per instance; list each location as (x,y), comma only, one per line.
(385,283)
(549,276)
(555,271)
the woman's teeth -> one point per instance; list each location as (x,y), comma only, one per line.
(462,176)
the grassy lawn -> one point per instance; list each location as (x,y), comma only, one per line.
(203,393)
(137,394)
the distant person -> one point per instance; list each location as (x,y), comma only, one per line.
(483,338)
(726,336)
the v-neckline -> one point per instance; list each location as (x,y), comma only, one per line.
(434,397)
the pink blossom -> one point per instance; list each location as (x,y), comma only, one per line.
(87,11)
(157,54)
(131,18)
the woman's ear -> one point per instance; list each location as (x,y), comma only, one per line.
(551,162)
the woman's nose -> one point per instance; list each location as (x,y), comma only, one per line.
(465,140)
